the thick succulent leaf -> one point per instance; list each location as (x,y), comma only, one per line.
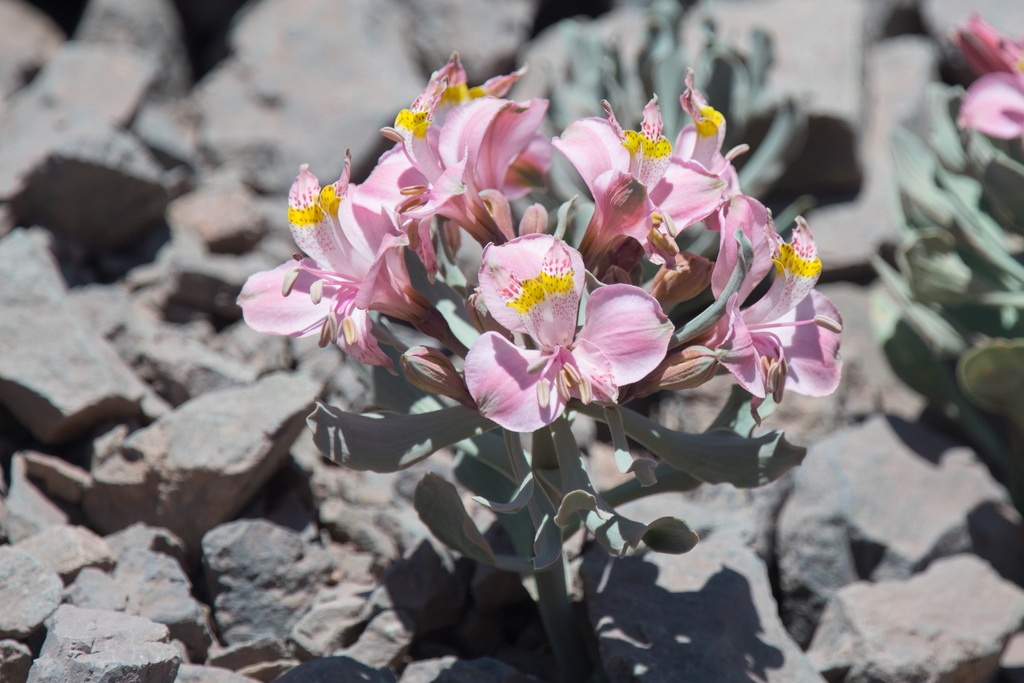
(943,108)
(781,145)
(664,535)
(735,415)
(483,480)
(440,507)
(521,498)
(933,268)
(578,494)
(388,442)
(993,377)
(1004,187)
(669,479)
(721,457)
(915,167)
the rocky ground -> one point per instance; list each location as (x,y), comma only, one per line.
(163,513)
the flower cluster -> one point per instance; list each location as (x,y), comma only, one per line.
(555,323)
(994,104)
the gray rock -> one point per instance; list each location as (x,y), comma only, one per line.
(248,652)
(111,79)
(708,615)
(63,480)
(96,645)
(96,589)
(268,111)
(268,671)
(882,500)
(898,71)
(424,585)
(207,445)
(331,626)
(168,128)
(263,352)
(1011,663)
(223,218)
(332,669)
(493,588)
(192,673)
(451,669)
(949,623)
(140,537)
(68,549)
(56,376)
(385,641)
(28,40)
(15,661)
(29,593)
(263,578)
(150,25)
(28,510)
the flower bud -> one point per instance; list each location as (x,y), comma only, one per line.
(481,318)
(535,220)
(684,368)
(430,369)
(689,276)
(616,276)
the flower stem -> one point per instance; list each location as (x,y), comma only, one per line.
(559,619)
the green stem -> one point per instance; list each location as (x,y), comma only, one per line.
(559,619)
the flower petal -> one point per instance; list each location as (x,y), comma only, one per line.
(812,352)
(734,348)
(593,148)
(364,346)
(994,105)
(688,193)
(313,228)
(266,309)
(627,325)
(498,379)
(749,214)
(622,208)
(529,171)
(509,133)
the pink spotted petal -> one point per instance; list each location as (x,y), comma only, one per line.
(595,367)
(311,228)
(265,309)
(627,325)
(994,105)
(652,125)
(812,352)
(593,148)
(365,349)
(790,285)
(749,214)
(688,193)
(985,49)
(498,380)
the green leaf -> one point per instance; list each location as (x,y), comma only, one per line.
(933,268)
(713,458)
(440,507)
(781,145)
(943,108)
(669,479)
(993,377)
(664,535)
(522,497)
(915,167)
(1004,187)
(735,415)
(388,442)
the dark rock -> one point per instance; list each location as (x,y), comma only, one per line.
(425,586)
(332,669)
(168,128)
(95,645)
(150,25)
(224,218)
(248,652)
(1011,663)
(68,549)
(708,615)
(63,480)
(28,510)
(949,623)
(56,376)
(28,40)
(881,501)
(228,442)
(263,578)
(268,671)
(332,625)
(268,111)
(191,673)
(29,593)
(385,641)
(493,588)
(454,670)
(15,661)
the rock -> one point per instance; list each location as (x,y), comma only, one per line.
(29,593)
(63,480)
(332,626)
(486,34)
(96,589)
(899,631)
(268,111)
(898,70)
(424,585)
(29,511)
(882,500)
(263,352)
(1011,663)
(818,57)
(111,79)
(96,645)
(15,661)
(150,25)
(223,218)
(263,578)
(451,669)
(229,441)
(493,589)
(268,671)
(140,537)
(332,669)
(709,615)
(168,128)
(56,376)
(68,549)
(28,40)
(191,673)
(385,641)
(248,652)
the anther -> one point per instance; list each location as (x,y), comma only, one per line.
(736,151)
(325,334)
(586,391)
(544,393)
(348,327)
(332,320)
(297,256)
(413,190)
(828,323)
(572,375)
(316,291)
(289,281)
(563,387)
(391,134)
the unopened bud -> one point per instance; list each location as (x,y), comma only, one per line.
(535,220)
(430,369)
(481,318)
(688,277)
(616,276)
(685,368)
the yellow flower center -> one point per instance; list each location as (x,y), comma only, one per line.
(539,288)
(304,216)
(329,200)
(710,121)
(793,263)
(414,121)
(652,149)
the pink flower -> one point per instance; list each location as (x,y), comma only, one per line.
(994,105)
(702,140)
(487,152)
(985,49)
(790,338)
(533,286)
(637,184)
(355,264)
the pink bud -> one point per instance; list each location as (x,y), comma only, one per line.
(535,220)
(690,275)
(430,369)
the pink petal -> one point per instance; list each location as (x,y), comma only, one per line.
(365,349)
(383,188)
(652,125)
(628,327)
(529,171)
(797,271)
(749,214)
(735,349)
(622,207)
(509,133)
(994,105)
(313,230)
(595,367)
(497,377)
(812,352)
(265,309)
(465,127)
(593,148)
(688,193)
